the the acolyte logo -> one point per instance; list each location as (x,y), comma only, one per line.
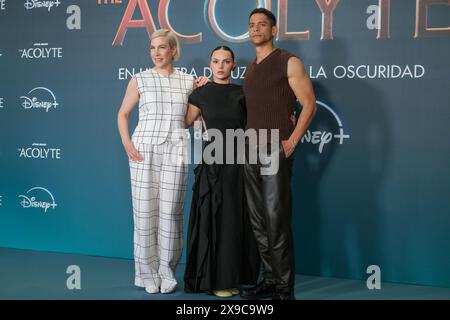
(381,16)
(39,98)
(39,151)
(41,51)
(38,197)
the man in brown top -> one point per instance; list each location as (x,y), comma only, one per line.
(273,83)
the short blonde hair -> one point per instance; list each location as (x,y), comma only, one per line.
(173,40)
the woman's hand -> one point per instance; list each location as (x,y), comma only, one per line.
(132,152)
(201,81)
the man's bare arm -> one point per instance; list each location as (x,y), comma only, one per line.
(303,90)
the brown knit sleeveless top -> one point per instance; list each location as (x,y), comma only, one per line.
(269,98)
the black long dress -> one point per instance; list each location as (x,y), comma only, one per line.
(221,249)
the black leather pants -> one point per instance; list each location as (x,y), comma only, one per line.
(269,203)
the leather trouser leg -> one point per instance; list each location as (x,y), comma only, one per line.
(269,203)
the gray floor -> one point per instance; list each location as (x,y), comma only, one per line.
(41,275)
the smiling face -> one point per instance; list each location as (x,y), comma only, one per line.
(161,53)
(261,30)
(221,65)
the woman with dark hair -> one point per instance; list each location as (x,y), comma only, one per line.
(221,249)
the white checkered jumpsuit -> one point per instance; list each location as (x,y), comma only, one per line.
(158,183)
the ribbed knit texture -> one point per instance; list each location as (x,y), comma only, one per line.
(269,98)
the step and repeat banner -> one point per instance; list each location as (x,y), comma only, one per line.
(371,178)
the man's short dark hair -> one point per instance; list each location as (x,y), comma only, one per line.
(267,13)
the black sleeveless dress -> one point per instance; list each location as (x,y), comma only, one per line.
(221,249)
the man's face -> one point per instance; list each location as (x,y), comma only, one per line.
(260,29)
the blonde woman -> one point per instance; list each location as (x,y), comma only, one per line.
(158,169)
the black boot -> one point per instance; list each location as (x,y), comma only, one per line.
(261,291)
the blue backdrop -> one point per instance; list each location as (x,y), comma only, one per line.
(371,178)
